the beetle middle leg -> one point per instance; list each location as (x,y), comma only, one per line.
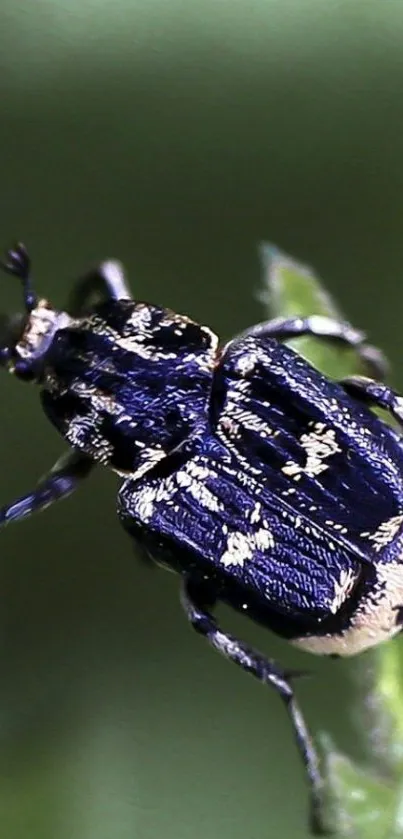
(320,326)
(107,281)
(58,483)
(268,673)
(376,394)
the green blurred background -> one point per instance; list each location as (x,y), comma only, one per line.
(174,136)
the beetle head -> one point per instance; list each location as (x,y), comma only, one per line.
(29,336)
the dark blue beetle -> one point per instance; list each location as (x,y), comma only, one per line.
(259,480)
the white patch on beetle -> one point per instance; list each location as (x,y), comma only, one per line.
(238,550)
(187,479)
(385,533)
(173,319)
(246,362)
(197,471)
(343,587)
(148,352)
(241,546)
(263,539)
(83,433)
(374,620)
(148,458)
(191,483)
(98,399)
(255,514)
(235,419)
(319,444)
(139,320)
(143,503)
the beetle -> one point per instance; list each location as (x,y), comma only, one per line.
(262,482)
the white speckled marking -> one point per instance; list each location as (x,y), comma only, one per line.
(144,503)
(319,444)
(374,621)
(196,489)
(246,363)
(238,550)
(342,589)
(385,533)
(255,513)
(241,547)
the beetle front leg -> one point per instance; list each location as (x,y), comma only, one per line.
(376,394)
(58,483)
(107,280)
(269,673)
(320,326)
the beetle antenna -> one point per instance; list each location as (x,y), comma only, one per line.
(18,263)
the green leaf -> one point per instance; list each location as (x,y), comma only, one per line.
(289,289)
(363,802)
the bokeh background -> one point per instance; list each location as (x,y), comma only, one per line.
(175,136)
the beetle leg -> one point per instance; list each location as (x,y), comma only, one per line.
(320,326)
(58,483)
(375,394)
(107,280)
(267,672)
(18,263)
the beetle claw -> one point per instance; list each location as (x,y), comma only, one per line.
(17,261)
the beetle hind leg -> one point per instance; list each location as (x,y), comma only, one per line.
(268,673)
(58,483)
(375,394)
(321,326)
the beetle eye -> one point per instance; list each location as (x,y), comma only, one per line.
(25,371)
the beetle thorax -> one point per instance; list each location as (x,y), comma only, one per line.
(129,383)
